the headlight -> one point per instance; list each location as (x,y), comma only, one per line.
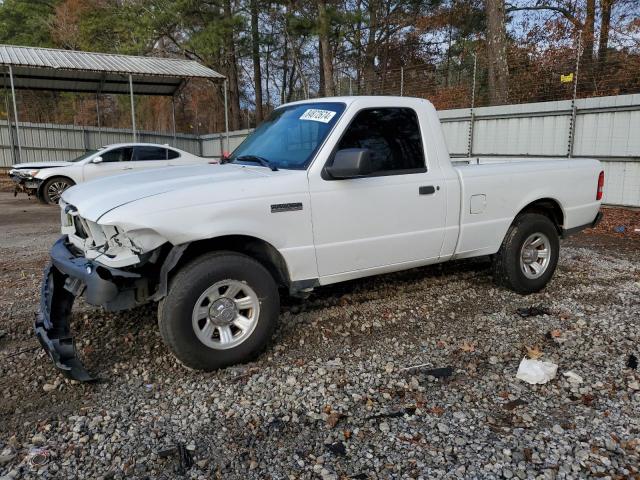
(32,173)
(139,241)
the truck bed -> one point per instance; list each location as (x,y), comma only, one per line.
(494,190)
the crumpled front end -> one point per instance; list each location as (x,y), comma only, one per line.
(69,276)
(24,181)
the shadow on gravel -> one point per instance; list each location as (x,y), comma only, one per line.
(321,297)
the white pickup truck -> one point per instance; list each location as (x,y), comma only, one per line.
(323,191)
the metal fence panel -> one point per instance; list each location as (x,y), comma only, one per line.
(606,128)
(41,142)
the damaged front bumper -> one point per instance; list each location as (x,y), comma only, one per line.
(69,276)
(24,183)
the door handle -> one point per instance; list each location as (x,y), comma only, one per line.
(128,168)
(427,190)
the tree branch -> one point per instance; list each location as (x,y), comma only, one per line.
(563,11)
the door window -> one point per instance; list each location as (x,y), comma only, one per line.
(122,154)
(173,154)
(392,135)
(150,153)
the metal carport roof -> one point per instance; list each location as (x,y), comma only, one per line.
(75,71)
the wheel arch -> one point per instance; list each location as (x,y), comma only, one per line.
(44,181)
(548,207)
(254,247)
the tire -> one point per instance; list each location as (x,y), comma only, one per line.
(521,254)
(52,189)
(40,197)
(203,282)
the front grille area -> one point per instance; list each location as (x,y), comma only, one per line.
(80,230)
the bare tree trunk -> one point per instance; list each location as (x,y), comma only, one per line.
(605,23)
(497,52)
(327,62)
(587,33)
(285,58)
(232,71)
(368,68)
(321,87)
(358,42)
(255,54)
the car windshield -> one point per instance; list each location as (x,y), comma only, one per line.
(289,137)
(84,155)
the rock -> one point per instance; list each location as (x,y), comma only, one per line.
(47,387)
(38,439)
(6,456)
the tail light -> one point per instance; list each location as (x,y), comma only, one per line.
(600,186)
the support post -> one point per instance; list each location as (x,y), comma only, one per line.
(226,116)
(98,93)
(401,81)
(12,148)
(173,120)
(133,111)
(98,117)
(574,110)
(473,104)
(15,114)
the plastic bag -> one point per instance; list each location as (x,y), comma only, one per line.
(536,372)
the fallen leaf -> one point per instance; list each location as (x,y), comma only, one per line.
(534,352)
(437,410)
(556,333)
(587,399)
(468,346)
(503,394)
(333,419)
(347,434)
(514,404)
(441,344)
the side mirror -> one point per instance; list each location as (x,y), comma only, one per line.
(96,160)
(351,163)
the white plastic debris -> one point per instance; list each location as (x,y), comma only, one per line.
(535,371)
(573,377)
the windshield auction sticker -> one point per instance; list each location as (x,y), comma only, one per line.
(317,115)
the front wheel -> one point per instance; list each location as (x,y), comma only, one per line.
(221,309)
(529,254)
(53,188)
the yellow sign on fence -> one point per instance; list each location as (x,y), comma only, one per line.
(568,78)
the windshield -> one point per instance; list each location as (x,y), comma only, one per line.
(290,136)
(84,155)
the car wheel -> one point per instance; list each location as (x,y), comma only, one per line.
(529,254)
(53,188)
(221,309)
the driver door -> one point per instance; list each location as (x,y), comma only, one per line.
(391,219)
(114,161)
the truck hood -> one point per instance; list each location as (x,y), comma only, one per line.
(95,198)
(39,165)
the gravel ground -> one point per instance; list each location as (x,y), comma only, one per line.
(332,397)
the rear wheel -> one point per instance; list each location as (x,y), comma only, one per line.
(53,188)
(221,309)
(529,254)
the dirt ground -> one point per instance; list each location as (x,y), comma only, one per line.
(27,229)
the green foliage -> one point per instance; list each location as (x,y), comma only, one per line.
(26,22)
